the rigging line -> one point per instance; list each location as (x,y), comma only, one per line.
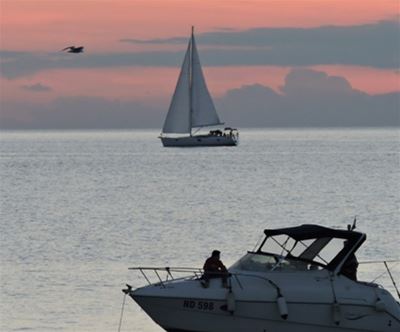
(284,245)
(391,277)
(277,242)
(294,246)
(384,273)
(191,81)
(122,313)
(377,262)
(196,131)
(282,258)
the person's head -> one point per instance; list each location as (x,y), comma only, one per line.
(216,253)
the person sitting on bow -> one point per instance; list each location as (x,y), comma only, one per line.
(214,268)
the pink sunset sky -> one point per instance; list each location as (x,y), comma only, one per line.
(37,30)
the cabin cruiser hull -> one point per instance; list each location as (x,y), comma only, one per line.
(199,140)
(207,311)
(172,317)
(311,288)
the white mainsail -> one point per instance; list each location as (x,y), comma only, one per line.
(203,109)
(178,117)
(191,105)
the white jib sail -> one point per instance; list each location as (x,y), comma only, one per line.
(203,109)
(178,117)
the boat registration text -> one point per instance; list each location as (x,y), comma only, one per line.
(199,305)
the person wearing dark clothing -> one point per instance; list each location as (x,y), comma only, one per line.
(349,268)
(214,268)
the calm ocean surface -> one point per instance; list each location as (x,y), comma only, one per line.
(79,208)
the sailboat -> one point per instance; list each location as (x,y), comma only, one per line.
(192,109)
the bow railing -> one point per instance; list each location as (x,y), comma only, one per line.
(161,275)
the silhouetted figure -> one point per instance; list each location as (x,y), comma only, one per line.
(349,268)
(73,49)
(214,268)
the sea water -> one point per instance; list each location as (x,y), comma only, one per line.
(79,208)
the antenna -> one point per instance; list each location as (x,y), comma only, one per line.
(352,227)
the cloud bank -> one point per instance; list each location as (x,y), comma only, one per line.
(79,112)
(308,98)
(37,87)
(374,45)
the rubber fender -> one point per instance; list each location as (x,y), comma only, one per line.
(336,313)
(282,306)
(380,306)
(230,301)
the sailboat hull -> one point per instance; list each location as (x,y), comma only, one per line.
(203,140)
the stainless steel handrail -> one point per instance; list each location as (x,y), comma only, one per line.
(194,273)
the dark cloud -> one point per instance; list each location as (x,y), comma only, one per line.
(375,45)
(5,54)
(308,99)
(79,112)
(224,29)
(38,87)
(266,37)
(175,40)
(23,64)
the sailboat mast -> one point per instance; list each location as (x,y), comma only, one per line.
(191,81)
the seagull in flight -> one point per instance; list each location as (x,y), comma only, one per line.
(73,49)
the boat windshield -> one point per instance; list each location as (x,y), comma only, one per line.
(258,262)
(283,253)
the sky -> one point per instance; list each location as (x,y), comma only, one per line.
(268,63)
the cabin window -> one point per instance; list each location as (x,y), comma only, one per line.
(252,262)
(330,250)
(319,251)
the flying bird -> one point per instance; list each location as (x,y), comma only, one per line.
(73,49)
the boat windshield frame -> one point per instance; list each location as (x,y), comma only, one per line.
(321,236)
(280,264)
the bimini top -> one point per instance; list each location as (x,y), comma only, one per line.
(314,244)
(309,231)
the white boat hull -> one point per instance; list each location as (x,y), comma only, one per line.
(268,292)
(186,306)
(200,140)
(172,315)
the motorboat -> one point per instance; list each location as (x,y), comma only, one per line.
(299,279)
